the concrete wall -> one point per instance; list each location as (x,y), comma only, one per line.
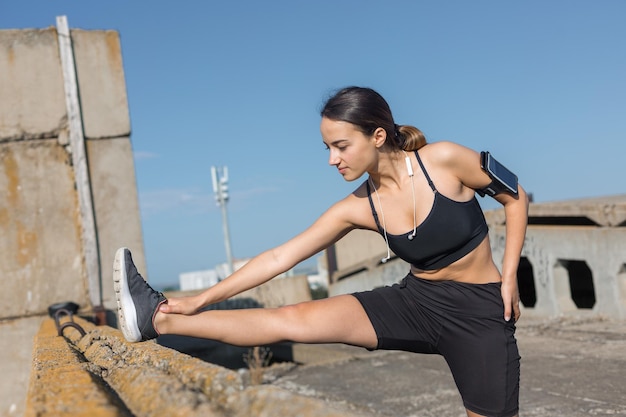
(40,244)
(358,246)
(589,234)
(42,254)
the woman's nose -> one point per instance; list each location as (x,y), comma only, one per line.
(333,158)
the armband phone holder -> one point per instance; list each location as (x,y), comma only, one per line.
(502,180)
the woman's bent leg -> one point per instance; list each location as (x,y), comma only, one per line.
(339,319)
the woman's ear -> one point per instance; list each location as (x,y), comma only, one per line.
(380,137)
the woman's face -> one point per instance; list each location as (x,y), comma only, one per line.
(352,152)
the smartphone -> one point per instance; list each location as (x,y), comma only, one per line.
(504,179)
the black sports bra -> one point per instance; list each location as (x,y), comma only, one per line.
(451,230)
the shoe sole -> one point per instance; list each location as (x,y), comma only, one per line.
(126,313)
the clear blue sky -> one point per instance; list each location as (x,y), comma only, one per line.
(541,84)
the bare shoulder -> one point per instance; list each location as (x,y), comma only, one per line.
(458,164)
(355,208)
(448,153)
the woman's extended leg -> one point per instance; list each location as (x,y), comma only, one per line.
(339,319)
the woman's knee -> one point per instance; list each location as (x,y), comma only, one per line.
(291,321)
(336,319)
(297,315)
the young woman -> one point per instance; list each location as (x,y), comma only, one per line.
(421,198)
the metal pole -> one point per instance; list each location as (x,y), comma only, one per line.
(81,167)
(220,188)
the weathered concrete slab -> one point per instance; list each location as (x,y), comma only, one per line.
(33,104)
(116,204)
(552,244)
(608,211)
(100,73)
(40,262)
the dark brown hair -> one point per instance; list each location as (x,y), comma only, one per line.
(368,110)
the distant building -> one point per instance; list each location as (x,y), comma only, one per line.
(317,275)
(198,279)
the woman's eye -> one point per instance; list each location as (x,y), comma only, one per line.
(340,148)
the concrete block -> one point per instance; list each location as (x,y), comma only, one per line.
(40,247)
(384,274)
(31,82)
(550,248)
(280,292)
(356,246)
(116,206)
(100,73)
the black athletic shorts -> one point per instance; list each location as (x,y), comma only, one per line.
(462,322)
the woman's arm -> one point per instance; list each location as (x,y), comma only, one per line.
(516,213)
(465,163)
(331,226)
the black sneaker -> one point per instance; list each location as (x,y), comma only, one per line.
(137,302)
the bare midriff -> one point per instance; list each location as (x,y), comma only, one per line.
(477,267)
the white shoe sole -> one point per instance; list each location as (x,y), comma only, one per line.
(126,313)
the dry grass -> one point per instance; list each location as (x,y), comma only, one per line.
(257,359)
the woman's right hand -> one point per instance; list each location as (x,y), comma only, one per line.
(182,305)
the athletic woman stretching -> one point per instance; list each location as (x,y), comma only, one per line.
(421,198)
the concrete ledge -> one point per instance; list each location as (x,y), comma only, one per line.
(100,374)
(63,383)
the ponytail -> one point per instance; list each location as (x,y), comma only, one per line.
(409,137)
